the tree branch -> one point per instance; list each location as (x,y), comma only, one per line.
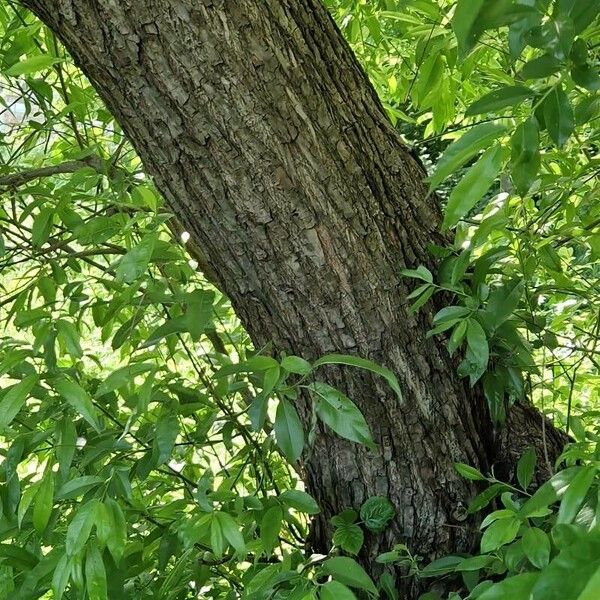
(70,166)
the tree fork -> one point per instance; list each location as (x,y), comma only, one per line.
(270,145)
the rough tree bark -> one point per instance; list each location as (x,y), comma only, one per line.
(270,145)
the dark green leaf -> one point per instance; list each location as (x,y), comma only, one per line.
(499,99)
(288,430)
(558,116)
(376,513)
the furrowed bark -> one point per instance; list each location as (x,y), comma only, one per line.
(271,147)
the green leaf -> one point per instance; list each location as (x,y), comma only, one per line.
(122,377)
(573,574)
(549,492)
(586,76)
(334,590)
(466,15)
(525,156)
(165,436)
(118,538)
(231,532)
(68,334)
(295,364)
(95,574)
(270,526)
(517,587)
(42,226)
(78,398)
(80,527)
(301,501)
(511,95)
(500,533)
(347,571)
(471,188)
(502,302)
(341,414)
(217,541)
(135,262)
(361,363)
(469,472)
(536,546)
(541,67)
(464,149)
(442,566)
(32,65)
(421,272)
(558,116)
(14,399)
(61,576)
(288,430)
(526,467)
(78,486)
(477,342)
(377,513)
(44,499)
(575,494)
(349,538)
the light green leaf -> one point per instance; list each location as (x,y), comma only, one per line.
(477,342)
(341,414)
(361,363)
(135,262)
(421,272)
(61,576)
(32,65)
(471,188)
(14,399)
(295,364)
(78,486)
(464,149)
(525,157)
(517,587)
(270,526)
(44,499)
(165,436)
(301,501)
(469,472)
(347,571)
(536,546)
(575,494)
(334,590)
(68,334)
(349,538)
(122,377)
(500,533)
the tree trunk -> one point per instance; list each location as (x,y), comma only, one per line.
(271,147)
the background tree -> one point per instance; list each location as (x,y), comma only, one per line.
(271,147)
